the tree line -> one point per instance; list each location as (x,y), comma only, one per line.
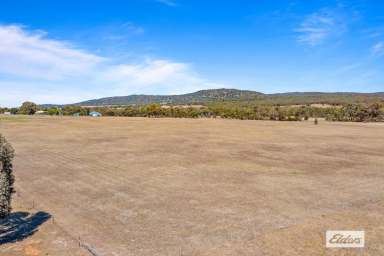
(357,113)
(373,112)
(350,112)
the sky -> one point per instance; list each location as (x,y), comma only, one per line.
(69,51)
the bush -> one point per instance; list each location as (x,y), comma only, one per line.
(6,177)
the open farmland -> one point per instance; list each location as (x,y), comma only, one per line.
(136,186)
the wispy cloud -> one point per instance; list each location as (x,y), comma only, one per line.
(30,55)
(118,32)
(133,28)
(168,2)
(318,27)
(378,49)
(37,68)
(348,67)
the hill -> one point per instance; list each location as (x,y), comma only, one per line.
(334,98)
(237,96)
(198,97)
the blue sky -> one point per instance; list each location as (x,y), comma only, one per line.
(68,51)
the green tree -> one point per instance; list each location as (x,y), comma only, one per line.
(28,108)
(6,177)
(53,111)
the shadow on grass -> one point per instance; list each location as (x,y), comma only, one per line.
(20,225)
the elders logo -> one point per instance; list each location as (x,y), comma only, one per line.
(344,239)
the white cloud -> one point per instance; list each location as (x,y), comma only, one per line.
(166,76)
(320,26)
(149,72)
(33,67)
(30,55)
(378,49)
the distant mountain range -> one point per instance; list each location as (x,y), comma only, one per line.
(219,95)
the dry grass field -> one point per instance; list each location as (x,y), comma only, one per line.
(135,186)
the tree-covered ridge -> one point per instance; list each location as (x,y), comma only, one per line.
(219,95)
(198,97)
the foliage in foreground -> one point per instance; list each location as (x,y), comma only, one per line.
(7,178)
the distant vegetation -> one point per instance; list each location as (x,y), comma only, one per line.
(198,97)
(204,97)
(350,112)
(28,108)
(357,113)
(230,103)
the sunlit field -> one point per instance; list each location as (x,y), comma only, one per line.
(140,186)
